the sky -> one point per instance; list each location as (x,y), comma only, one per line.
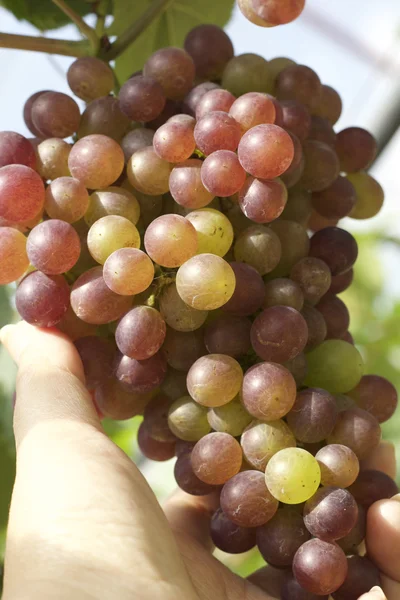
(354,45)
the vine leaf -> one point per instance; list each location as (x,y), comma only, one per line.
(43,14)
(169,29)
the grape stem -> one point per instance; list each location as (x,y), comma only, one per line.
(126,38)
(85,29)
(41,44)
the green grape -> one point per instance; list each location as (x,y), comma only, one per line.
(13,258)
(231,418)
(369,196)
(52,158)
(293,475)
(148,173)
(205,282)
(177,314)
(112,201)
(294,242)
(334,365)
(260,441)
(214,231)
(90,78)
(188,420)
(259,247)
(109,234)
(96,160)
(214,380)
(246,73)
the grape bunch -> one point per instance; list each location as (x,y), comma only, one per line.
(186,241)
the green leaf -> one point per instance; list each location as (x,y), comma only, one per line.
(43,14)
(169,29)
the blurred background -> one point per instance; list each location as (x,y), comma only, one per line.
(354,45)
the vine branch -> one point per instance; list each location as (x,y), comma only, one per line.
(128,36)
(85,29)
(47,45)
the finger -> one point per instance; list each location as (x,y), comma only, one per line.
(390,587)
(375,594)
(82,518)
(383,536)
(383,458)
(191,515)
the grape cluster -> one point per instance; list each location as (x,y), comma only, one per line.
(187,243)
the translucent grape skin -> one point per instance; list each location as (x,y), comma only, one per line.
(280,538)
(148,173)
(27,113)
(246,500)
(330,106)
(336,247)
(109,234)
(128,271)
(283,292)
(249,292)
(174,69)
(112,200)
(229,335)
(188,420)
(42,300)
(361,577)
(369,195)
(229,537)
(279,334)
(313,276)
(321,166)
(331,513)
(316,222)
(339,465)
(96,160)
(253,109)
(174,141)
(210,48)
(217,131)
(135,140)
(294,243)
(231,418)
(260,441)
(55,115)
(140,333)
(358,430)
(376,395)
(142,99)
(13,257)
(15,149)
(342,282)
(104,116)
(371,486)
(300,83)
(186,186)
(113,401)
(187,480)
(192,99)
(259,247)
(53,247)
(97,356)
(320,567)
(66,199)
(266,151)
(154,449)
(296,118)
(141,376)
(214,380)
(90,78)
(246,73)
(216,458)
(336,315)
(262,201)
(94,302)
(21,193)
(214,231)
(183,348)
(292,590)
(205,282)
(177,314)
(356,149)
(277,12)
(313,415)
(334,365)
(214,100)
(292,475)
(222,174)
(170,240)
(268,391)
(337,201)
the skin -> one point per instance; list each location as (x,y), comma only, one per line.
(84,523)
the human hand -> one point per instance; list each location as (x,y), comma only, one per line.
(84,523)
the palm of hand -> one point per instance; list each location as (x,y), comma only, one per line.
(92,527)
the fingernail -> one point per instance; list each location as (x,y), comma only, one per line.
(377,590)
